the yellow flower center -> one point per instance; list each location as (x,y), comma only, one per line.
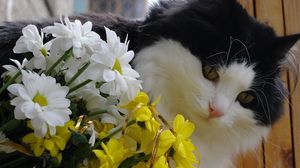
(117,66)
(40,99)
(44,52)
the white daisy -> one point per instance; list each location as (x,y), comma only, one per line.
(93,133)
(13,70)
(42,100)
(32,41)
(5,148)
(112,115)
(94,101)
(73,34)
(112,60)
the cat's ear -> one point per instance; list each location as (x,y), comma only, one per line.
(282,45)
(289,52)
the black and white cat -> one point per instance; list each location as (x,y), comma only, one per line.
(210,61)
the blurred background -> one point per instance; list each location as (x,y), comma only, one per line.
(12,10)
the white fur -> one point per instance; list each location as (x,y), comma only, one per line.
(171,71)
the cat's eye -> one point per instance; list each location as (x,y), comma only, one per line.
(210,73)
(245,97)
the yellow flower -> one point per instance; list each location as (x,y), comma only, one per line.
(140,112)
(160,162)
(112,155)
(166,140)
(141,97)
(183,127)
(183,148)
(54,144)
(102,128)
(146,140)
(141,136)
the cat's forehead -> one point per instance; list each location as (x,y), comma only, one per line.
(237,75)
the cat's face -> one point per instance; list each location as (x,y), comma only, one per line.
(222,94)
(232,91)
(213,62)
(228,92)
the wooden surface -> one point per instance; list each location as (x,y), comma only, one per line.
(292,25)
(282,149)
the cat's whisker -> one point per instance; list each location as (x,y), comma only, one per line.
(265,75)
(248,54)
(268,114)
(217,54)
(229,49)
(279,90)
(232,40)
(240,51)
(260,101)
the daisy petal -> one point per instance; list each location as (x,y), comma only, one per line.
(19,115)
(109,75)
(40,127)
(28,108)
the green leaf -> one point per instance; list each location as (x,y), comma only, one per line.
(80,85)
(134,160)
(78,139)
(53,162)
(10,125)
(76,154)
(78,108)
(77,151)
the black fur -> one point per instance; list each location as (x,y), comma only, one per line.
(205,27)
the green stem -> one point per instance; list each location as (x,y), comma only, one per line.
(9,82)
(9,124)
(67,54)
(79,85)
(79,72)
(11,116)
(12,163)
(120,129)
(113,133)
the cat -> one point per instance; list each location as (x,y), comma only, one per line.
(208,60)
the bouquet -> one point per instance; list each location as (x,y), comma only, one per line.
(75,101)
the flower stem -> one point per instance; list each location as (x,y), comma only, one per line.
(120,129)
(9,124)
(161,119)
(10,81)
(79,72)
(79,85)
(67,54)
(156,143)
(114,133)
(14,162)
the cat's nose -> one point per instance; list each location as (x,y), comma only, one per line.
(214,112)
